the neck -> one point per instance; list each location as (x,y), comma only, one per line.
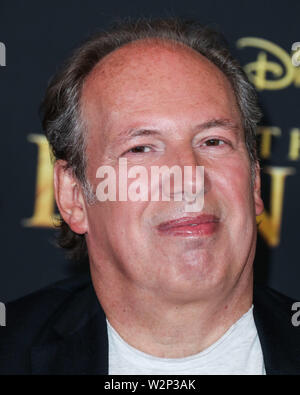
(157,326)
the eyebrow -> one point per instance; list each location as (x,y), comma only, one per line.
(221,122)
(132,133)
(212,123)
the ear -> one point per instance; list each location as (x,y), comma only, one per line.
(69,198)
(259,204)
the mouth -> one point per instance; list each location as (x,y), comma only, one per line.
(202,225)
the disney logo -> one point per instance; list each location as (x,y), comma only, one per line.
(263,68)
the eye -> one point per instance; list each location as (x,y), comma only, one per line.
(140,149)
(214,142)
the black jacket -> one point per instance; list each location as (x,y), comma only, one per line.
(62,330)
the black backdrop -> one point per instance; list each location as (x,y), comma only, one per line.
(38,35)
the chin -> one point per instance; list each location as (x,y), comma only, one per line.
(194,274)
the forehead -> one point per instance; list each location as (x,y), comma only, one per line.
(158,77)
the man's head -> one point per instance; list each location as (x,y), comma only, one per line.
(170,89)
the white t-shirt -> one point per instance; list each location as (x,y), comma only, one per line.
(238,351)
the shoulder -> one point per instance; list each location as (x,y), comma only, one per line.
(273,307)
(29,313)
(28,316)
(269,299)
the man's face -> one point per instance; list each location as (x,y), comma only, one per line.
(155,106)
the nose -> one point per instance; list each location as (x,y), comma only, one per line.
(188,179)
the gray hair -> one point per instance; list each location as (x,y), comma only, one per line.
(62,119)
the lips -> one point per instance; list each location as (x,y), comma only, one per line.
(202,225)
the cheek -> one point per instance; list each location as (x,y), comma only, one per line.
(114,224)
(231,187)
(235,174)
(238,205)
